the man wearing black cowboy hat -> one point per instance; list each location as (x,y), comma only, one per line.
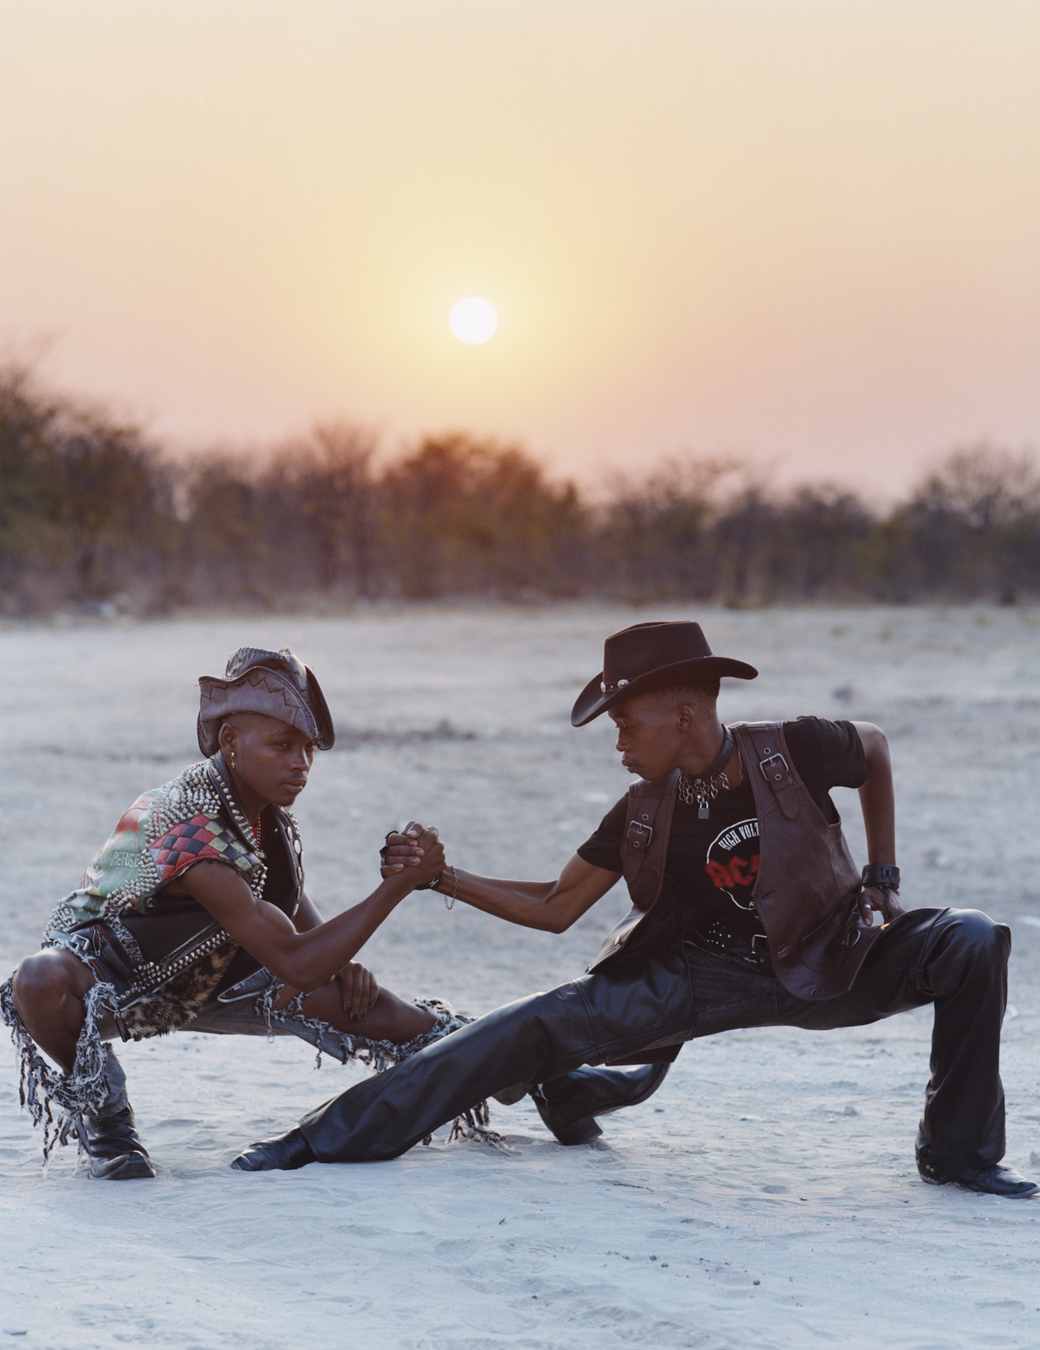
(747,911)
(193,916)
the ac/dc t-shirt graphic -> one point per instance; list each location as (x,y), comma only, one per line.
(733,863)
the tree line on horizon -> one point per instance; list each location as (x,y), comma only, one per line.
(95,516)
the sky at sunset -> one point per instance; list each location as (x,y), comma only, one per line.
(806,232)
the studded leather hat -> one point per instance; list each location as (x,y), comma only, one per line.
(276,684)
(651,656)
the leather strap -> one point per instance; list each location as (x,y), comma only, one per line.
(644,849)
(773,766)
(644,845)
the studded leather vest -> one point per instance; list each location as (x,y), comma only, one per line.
(808,888)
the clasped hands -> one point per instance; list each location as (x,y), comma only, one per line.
(413,846)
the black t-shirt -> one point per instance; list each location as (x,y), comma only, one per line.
(712,864)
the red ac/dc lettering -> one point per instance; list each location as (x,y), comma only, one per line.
(737,872)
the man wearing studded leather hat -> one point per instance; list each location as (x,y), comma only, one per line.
(747,911)
(193,916)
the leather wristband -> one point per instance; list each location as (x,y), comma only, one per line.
(882,876)
(432,885)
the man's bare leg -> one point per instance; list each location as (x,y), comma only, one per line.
(48,991)
(49,987)
(389,1019)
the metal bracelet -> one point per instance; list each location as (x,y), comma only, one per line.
(450,904)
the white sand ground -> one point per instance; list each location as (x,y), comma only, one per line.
(766,1197)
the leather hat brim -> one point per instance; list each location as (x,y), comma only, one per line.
(592,700)
(317,720)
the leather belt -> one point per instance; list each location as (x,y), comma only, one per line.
(722,941)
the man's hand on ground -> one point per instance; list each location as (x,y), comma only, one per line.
(358,990)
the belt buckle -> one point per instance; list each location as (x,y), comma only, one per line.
(767,764)
(639,836)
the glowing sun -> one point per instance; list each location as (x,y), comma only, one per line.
(473,320)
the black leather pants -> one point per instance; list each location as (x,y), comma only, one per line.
(956,959)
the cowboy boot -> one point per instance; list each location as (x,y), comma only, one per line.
(569,1105)
(285,1153)
(109,1135)
(994,1180)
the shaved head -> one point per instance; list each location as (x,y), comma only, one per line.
(700,697)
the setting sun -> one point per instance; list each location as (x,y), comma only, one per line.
(473,320)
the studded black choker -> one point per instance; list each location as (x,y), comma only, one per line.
(702,790)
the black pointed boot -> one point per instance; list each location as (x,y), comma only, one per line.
(569,1105)
(110,1134)
(286,1153)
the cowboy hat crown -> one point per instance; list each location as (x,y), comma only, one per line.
(276,684)
(651,656)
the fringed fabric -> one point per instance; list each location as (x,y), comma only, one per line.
(349,1045)
(57,1102)
(473,1124)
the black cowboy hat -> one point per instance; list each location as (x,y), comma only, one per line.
(651,656)
(276,684)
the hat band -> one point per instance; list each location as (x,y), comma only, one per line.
(606,688)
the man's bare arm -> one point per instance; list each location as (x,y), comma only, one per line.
(306,916)
(551,906)
(359,988)
(878,803)
(305,959)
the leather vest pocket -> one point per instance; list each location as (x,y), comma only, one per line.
(831,942)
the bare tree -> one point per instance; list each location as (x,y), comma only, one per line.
(330,474)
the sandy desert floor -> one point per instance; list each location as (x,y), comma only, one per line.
(766,1197)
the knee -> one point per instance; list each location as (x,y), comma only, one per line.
(976,937)
(982,932)
(404,1020)
(41,982)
